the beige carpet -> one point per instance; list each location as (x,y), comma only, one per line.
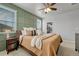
(66,49)
(19,52)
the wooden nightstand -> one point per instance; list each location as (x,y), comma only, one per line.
(12,44)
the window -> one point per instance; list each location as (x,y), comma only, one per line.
(39,24)
(7,19)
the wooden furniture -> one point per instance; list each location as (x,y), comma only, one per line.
(12,44)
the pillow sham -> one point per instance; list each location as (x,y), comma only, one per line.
(30,31)
(33,32)
(23,32)
(38,32)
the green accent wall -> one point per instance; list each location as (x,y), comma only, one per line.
(24,19)
(2,42)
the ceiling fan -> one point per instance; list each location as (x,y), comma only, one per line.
(48,7)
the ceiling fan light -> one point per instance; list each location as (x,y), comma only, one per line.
(48,9)
(45,10)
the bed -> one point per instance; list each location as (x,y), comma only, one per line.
(49,48)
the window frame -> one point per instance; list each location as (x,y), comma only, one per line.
(41,24)
(15,17)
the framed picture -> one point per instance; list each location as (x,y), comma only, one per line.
(49,27)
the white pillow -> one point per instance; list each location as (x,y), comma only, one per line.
(31,29)
(28,31)
(23,32)
(39,32)
(25,28)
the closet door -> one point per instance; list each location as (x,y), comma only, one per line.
(77,41)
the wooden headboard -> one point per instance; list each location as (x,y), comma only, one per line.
(18,33)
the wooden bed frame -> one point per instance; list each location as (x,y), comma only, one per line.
(33,54)
(29,51)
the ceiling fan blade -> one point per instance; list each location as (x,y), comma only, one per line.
(48,4)
(42,9)
(45,4)
(53,8)
(51,4)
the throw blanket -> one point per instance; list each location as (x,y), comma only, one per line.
(37,41)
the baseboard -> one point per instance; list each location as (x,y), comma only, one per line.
(70,41)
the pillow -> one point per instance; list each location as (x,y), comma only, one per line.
(23,32)
(30,31)
(27,33)
(33,32)
(25,28)
(39,32)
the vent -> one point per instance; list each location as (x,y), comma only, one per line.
(74,3)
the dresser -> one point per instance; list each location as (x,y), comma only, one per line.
(12,44)
(77,42)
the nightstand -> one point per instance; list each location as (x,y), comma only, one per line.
(12,44)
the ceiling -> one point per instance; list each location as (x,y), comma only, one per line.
(61,8)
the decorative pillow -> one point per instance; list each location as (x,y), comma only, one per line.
(25,28)
(30,31)
(39,32)
(27,33)
(33,32)
(23,32)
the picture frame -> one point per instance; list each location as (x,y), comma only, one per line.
(49,27)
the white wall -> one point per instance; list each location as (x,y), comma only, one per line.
(66,24)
